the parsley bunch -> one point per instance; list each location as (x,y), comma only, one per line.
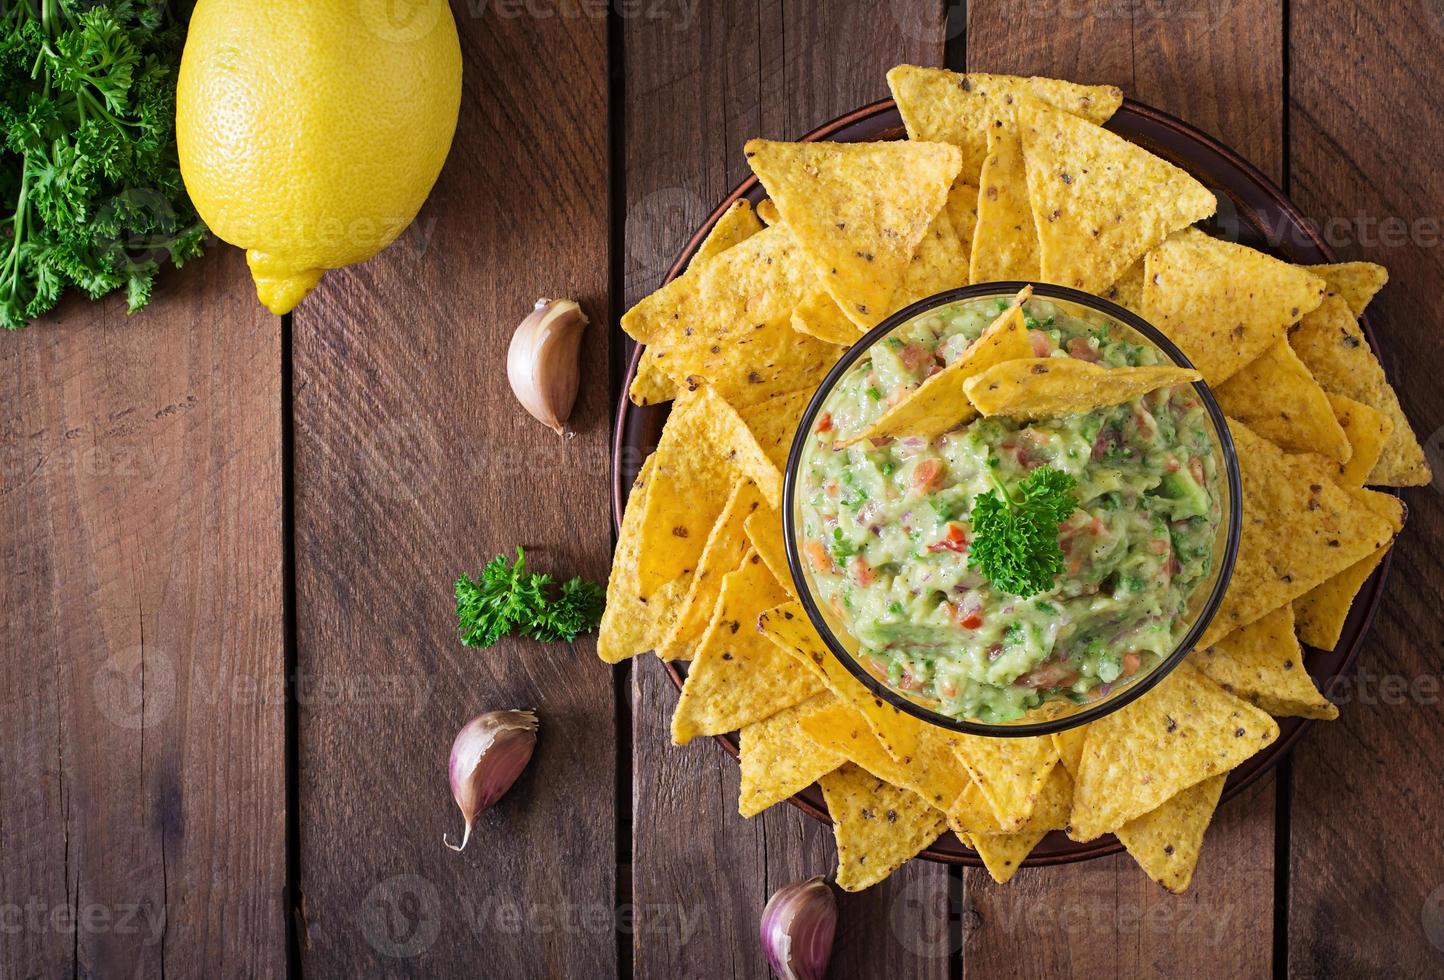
(90,187)
(509,599)
(1015,534)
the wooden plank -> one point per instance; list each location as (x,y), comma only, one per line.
(1221,68)
(692,98)
(415,463)
(1367,838)
(142,773)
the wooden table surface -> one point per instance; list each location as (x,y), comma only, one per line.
(229,671)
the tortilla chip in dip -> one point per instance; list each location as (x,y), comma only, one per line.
(1048,387)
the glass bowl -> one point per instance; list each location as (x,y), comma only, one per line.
(1059,713)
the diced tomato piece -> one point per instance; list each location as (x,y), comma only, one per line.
(955,540)
(862,571)
(1079,348)
(824,424)
(971,621)
(1042,344)
(831,489)
(1159,546)
(1131,662)
(927,475)
(914,356)
(1195,467)
(948,689)
(818,556)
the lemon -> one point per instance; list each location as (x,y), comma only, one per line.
(310,133)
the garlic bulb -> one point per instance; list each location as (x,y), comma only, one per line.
(541,363)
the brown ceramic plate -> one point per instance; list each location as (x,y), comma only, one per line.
(1252,210)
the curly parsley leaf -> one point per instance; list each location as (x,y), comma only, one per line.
(1015,533)
(507,599)
(91,195)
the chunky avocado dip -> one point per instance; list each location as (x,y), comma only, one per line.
(886,523)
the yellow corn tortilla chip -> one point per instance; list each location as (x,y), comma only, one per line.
(1010,772)
(1048,387)
(934,772)
(1264,664)
(773,423)
(1299,529)
(761,363)
(1185,730)
(1355,282)
(1003,854)
(1069,744)
(1166,841)
(1223,304)
(1099,201)
(878,827)
(651,385)
(1005,242)
(726,547)
(1127,292)
(778,759)
(962,210)
(819,316)
(940,263)
(971,813)
(1367,430)
(705,447)
(948,107)
(737,677)
(631,624)
(1330,342)
(764,531)
(858,210)
(938,404)
(767,211)
(1277,397)
(1321,611)
(789,628)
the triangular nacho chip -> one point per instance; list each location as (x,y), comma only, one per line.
(737,677)
(1049,387)
(1367,430)
(948,107)
(1069,744)
(934,773)
(789,628)
(1322,611)
(858,210)
(1166,841)
(773,423)
(878,827)
(1005,242)
(971,813)
(818,315)
(1264,664)
(1010,772)
(940,263)
(630,624)
(1299,529)
(651,385)
(1330,342)
(764,531)
(938,404)
(1099,201)
(1003,854)
(1277,397)
(1355,282)
(1223,304)
(1185,730)
(962,210)
(778,759)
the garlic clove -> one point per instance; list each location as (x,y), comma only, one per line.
(798,925)
(487,756)
(542,361)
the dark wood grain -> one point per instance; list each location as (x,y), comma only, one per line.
(1366,883)
(413,463)
(1220,66)
(692,98)
(141,640)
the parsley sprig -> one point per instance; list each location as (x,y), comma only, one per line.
(1015,533)
(510,600)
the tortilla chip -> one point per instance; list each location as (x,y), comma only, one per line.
(962,211)
(773,423)
(1127,292)
(1322,610)
(778,759)
(971,813)
(1048,387)
(1355,282)
(938,404)
(1069,744)
(819,316)
(1330,342)
(767,211)
(736,224)
(858,210)
(726,547)
(630,624)
(1003,854)
(1010,772)
(940,263)
(705,447)
(1277,397)
(1185,730)
(1299,529)
(789,628)
(1099,201)
(1223,304)
(1166,841)
(1005,242)
(737,677)
(877,826)
(837,727)
(651,385)
(948,107)
(764,531)
(1367,430)
(1264,664)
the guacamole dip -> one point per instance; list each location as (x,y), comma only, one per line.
(885,524)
